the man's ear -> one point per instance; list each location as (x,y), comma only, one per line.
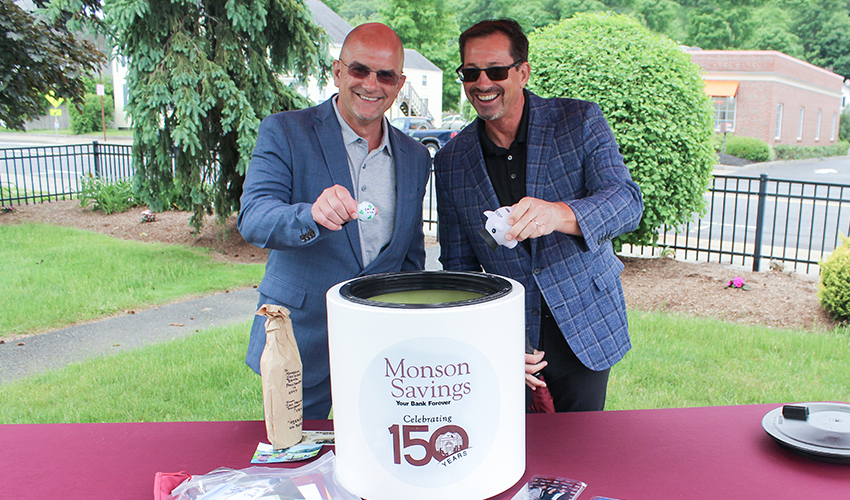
(337,67)
(525,72)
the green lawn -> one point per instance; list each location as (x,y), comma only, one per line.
(67,275)
(676,362)
(54,276)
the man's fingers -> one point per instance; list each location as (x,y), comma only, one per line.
(334,207)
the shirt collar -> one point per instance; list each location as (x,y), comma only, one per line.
(349,136)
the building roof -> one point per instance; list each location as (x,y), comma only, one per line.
(414,60)
(332,22)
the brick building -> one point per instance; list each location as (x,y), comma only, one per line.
(771,96)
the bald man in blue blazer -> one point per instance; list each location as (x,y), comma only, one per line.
(309,170)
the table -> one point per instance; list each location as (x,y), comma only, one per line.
(687,453)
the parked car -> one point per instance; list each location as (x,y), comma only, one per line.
(408,123)
(432,138)
(454,122)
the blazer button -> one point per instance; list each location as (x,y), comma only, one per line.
(537,270)
(535,312)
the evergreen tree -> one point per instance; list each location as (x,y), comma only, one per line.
(202,75)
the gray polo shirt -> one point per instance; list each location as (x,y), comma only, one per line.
(374,180)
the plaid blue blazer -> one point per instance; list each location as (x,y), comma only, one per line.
(572,157)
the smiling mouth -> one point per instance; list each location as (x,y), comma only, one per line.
(487,96)
(368,98)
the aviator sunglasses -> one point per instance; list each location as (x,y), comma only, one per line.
(494,73)
(385,76)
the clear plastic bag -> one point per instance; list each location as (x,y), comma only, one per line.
(314,481)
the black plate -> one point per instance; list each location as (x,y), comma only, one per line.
(823,434)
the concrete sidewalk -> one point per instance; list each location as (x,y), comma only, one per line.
(51,350)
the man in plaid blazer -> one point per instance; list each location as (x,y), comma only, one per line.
(556,162)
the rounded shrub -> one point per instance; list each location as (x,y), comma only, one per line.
(652,96)
(748,148)
(834,290)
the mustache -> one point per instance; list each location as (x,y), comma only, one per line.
(490,90)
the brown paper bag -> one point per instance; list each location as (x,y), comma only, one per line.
(280,367)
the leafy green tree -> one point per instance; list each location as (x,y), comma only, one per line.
(710,30)
(773,32)
(651,94)
(358,12)
(470,12)
(37,57)
(823,28)
(202,75)
(833,48)
(660,16)
(429,27)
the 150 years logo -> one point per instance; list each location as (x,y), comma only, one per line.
(430,408)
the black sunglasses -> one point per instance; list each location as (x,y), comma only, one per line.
(494,73)
(385,76)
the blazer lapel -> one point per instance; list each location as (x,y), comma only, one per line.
(540,138)
(480,190)
(336,161)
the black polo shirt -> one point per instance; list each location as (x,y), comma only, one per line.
(507,168)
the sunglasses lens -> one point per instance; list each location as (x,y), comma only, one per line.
(469,74)
(358,71)
(384,76)
(387,77)
(497,73)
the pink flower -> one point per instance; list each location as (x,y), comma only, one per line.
(737,282)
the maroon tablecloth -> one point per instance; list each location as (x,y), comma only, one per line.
(690,453)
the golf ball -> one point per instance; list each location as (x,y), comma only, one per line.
(366,211)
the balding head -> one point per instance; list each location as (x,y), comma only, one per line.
(374,37)
(369,76)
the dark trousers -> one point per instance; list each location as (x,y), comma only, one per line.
(574,387)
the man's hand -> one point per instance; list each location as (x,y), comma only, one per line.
(533,218)
(533,364)
(334,207)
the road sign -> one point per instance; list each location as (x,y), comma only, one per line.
(55,102)
(55,112)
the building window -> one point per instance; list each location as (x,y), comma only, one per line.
(817,125)
(724,114)
(778,121)
(424,80)
(800,124)
(834,121)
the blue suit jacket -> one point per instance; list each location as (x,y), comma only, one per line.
(299,154)
(572,157)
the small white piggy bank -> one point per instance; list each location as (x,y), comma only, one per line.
(496,227)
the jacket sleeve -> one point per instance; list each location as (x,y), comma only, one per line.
(613,204)
(269,216)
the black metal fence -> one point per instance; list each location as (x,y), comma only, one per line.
(45,173)
(755,222)
(748,222)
